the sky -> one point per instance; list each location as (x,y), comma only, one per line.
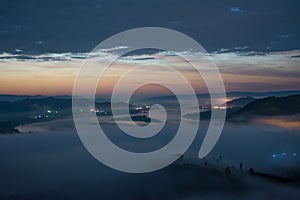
(254,43)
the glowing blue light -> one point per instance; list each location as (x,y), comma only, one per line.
(235,9)
(283,154)
(294,154)
(274,155)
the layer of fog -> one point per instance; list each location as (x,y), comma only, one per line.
(56,163)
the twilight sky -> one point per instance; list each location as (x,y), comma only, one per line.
(254,43)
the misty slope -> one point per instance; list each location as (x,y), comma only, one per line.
(270,106)
(186,181)
(240,102)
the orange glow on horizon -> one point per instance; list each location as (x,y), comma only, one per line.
(57,77)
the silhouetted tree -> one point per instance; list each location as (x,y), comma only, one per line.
(227,170)
(251,171)
(221,159)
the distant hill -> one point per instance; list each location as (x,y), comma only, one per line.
(263,94)
(240,102)
(36,104)
(246,95)
(32,110)
(233,94)
(11,98)
(270,106)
